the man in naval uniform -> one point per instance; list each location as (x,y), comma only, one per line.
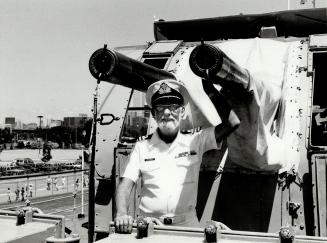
(169,161)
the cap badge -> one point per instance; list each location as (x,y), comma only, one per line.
(164,89)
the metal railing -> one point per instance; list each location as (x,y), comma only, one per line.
(20,188)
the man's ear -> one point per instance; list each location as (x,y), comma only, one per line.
(182,111)
(152,112)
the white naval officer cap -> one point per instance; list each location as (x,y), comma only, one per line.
(166,91)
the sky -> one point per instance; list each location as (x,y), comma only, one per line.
(45,45)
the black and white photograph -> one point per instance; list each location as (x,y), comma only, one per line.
(163,121)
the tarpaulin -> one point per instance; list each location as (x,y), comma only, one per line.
(254,145)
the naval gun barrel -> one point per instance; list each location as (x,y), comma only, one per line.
(114,67)
(208,61)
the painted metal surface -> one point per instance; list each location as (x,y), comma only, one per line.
(37,229)
(298,22)
(183,234)
(107,140)
(319,179)
(243,199)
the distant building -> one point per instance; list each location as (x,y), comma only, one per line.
(30,126)
(10,121)
(13,123)
(19,125)
(55,123)
(74,122)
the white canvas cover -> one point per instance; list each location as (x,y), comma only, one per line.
(255,144)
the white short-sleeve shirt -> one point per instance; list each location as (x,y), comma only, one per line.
(169,172)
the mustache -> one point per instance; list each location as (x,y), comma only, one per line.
(166,119)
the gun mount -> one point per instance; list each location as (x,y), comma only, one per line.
(114,67)
(208,61)
(297,76)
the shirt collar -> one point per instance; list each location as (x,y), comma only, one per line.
(155,139)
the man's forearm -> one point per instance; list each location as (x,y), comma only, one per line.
(123,221)
(121,203)
(122,197)
(228,117)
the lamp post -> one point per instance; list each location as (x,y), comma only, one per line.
(82,215)
(40,120)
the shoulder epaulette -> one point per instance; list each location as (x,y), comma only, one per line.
(141,138)
(191,131)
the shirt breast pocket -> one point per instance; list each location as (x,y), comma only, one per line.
(188,169)
(150,172)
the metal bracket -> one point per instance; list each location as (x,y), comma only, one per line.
(293,207)
(103,116)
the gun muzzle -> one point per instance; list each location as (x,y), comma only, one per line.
(114,67)
(208,61)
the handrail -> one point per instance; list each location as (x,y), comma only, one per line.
(41,174)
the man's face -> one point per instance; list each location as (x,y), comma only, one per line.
(168,117)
